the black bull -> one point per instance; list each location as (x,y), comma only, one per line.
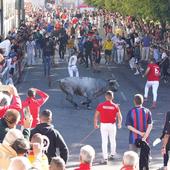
(87,87)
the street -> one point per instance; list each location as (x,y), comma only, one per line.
(76,125)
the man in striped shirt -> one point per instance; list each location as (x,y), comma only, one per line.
(139,122)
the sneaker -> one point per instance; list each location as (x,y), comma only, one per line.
(137,73)
(104,161)
(153,105)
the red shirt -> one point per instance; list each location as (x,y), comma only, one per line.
(34,105)
(154,72)
(75,20)
(108,112)
(84,166)
(16,104)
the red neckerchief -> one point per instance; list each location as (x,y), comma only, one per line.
(126,167)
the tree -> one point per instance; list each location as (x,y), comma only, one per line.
(153,9)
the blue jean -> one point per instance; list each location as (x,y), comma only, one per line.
(47,65)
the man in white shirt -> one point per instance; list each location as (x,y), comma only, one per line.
(120,50)
(30,48)
(72,68)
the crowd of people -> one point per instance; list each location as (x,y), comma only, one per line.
(78,38)
(67,31)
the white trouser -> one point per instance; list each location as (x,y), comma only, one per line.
(72,70)
(120,55)
(31,58)
(154,85)
(108,130)
(145,53)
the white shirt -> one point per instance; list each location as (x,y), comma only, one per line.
(72,61)
(119,44)
(6,46)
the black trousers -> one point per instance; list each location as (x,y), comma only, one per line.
(62,51)
(166,157)
(88,56)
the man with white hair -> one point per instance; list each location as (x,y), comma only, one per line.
(87,154)
(130,160)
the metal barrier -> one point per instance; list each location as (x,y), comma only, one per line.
(17,71)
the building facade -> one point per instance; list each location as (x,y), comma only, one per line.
(11,12)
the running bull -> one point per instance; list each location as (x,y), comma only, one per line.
(87,87)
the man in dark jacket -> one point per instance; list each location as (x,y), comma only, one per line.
(48,51)
(88,46)
(56,140)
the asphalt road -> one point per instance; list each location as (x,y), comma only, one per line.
(75,125)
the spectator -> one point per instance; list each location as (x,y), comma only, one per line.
(57,163)
(130,161)
(9,121)
(146,42)
(88,47)
(48,48)
(120,44)
(16,101)
(72,67)
(137,58)
(139,122)
(2,62)
(30,48)
(108,113)
(87,154)
(108,46)
(56,140)
(63,38)
(35,104)
(164,64)
(7,151)
(37,139)
(156,53)
(19,163)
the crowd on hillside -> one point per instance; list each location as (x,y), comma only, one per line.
(66,31)
(77,38)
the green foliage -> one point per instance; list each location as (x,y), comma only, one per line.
(152,9)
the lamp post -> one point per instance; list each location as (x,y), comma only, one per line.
(21,11)
(1,17)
